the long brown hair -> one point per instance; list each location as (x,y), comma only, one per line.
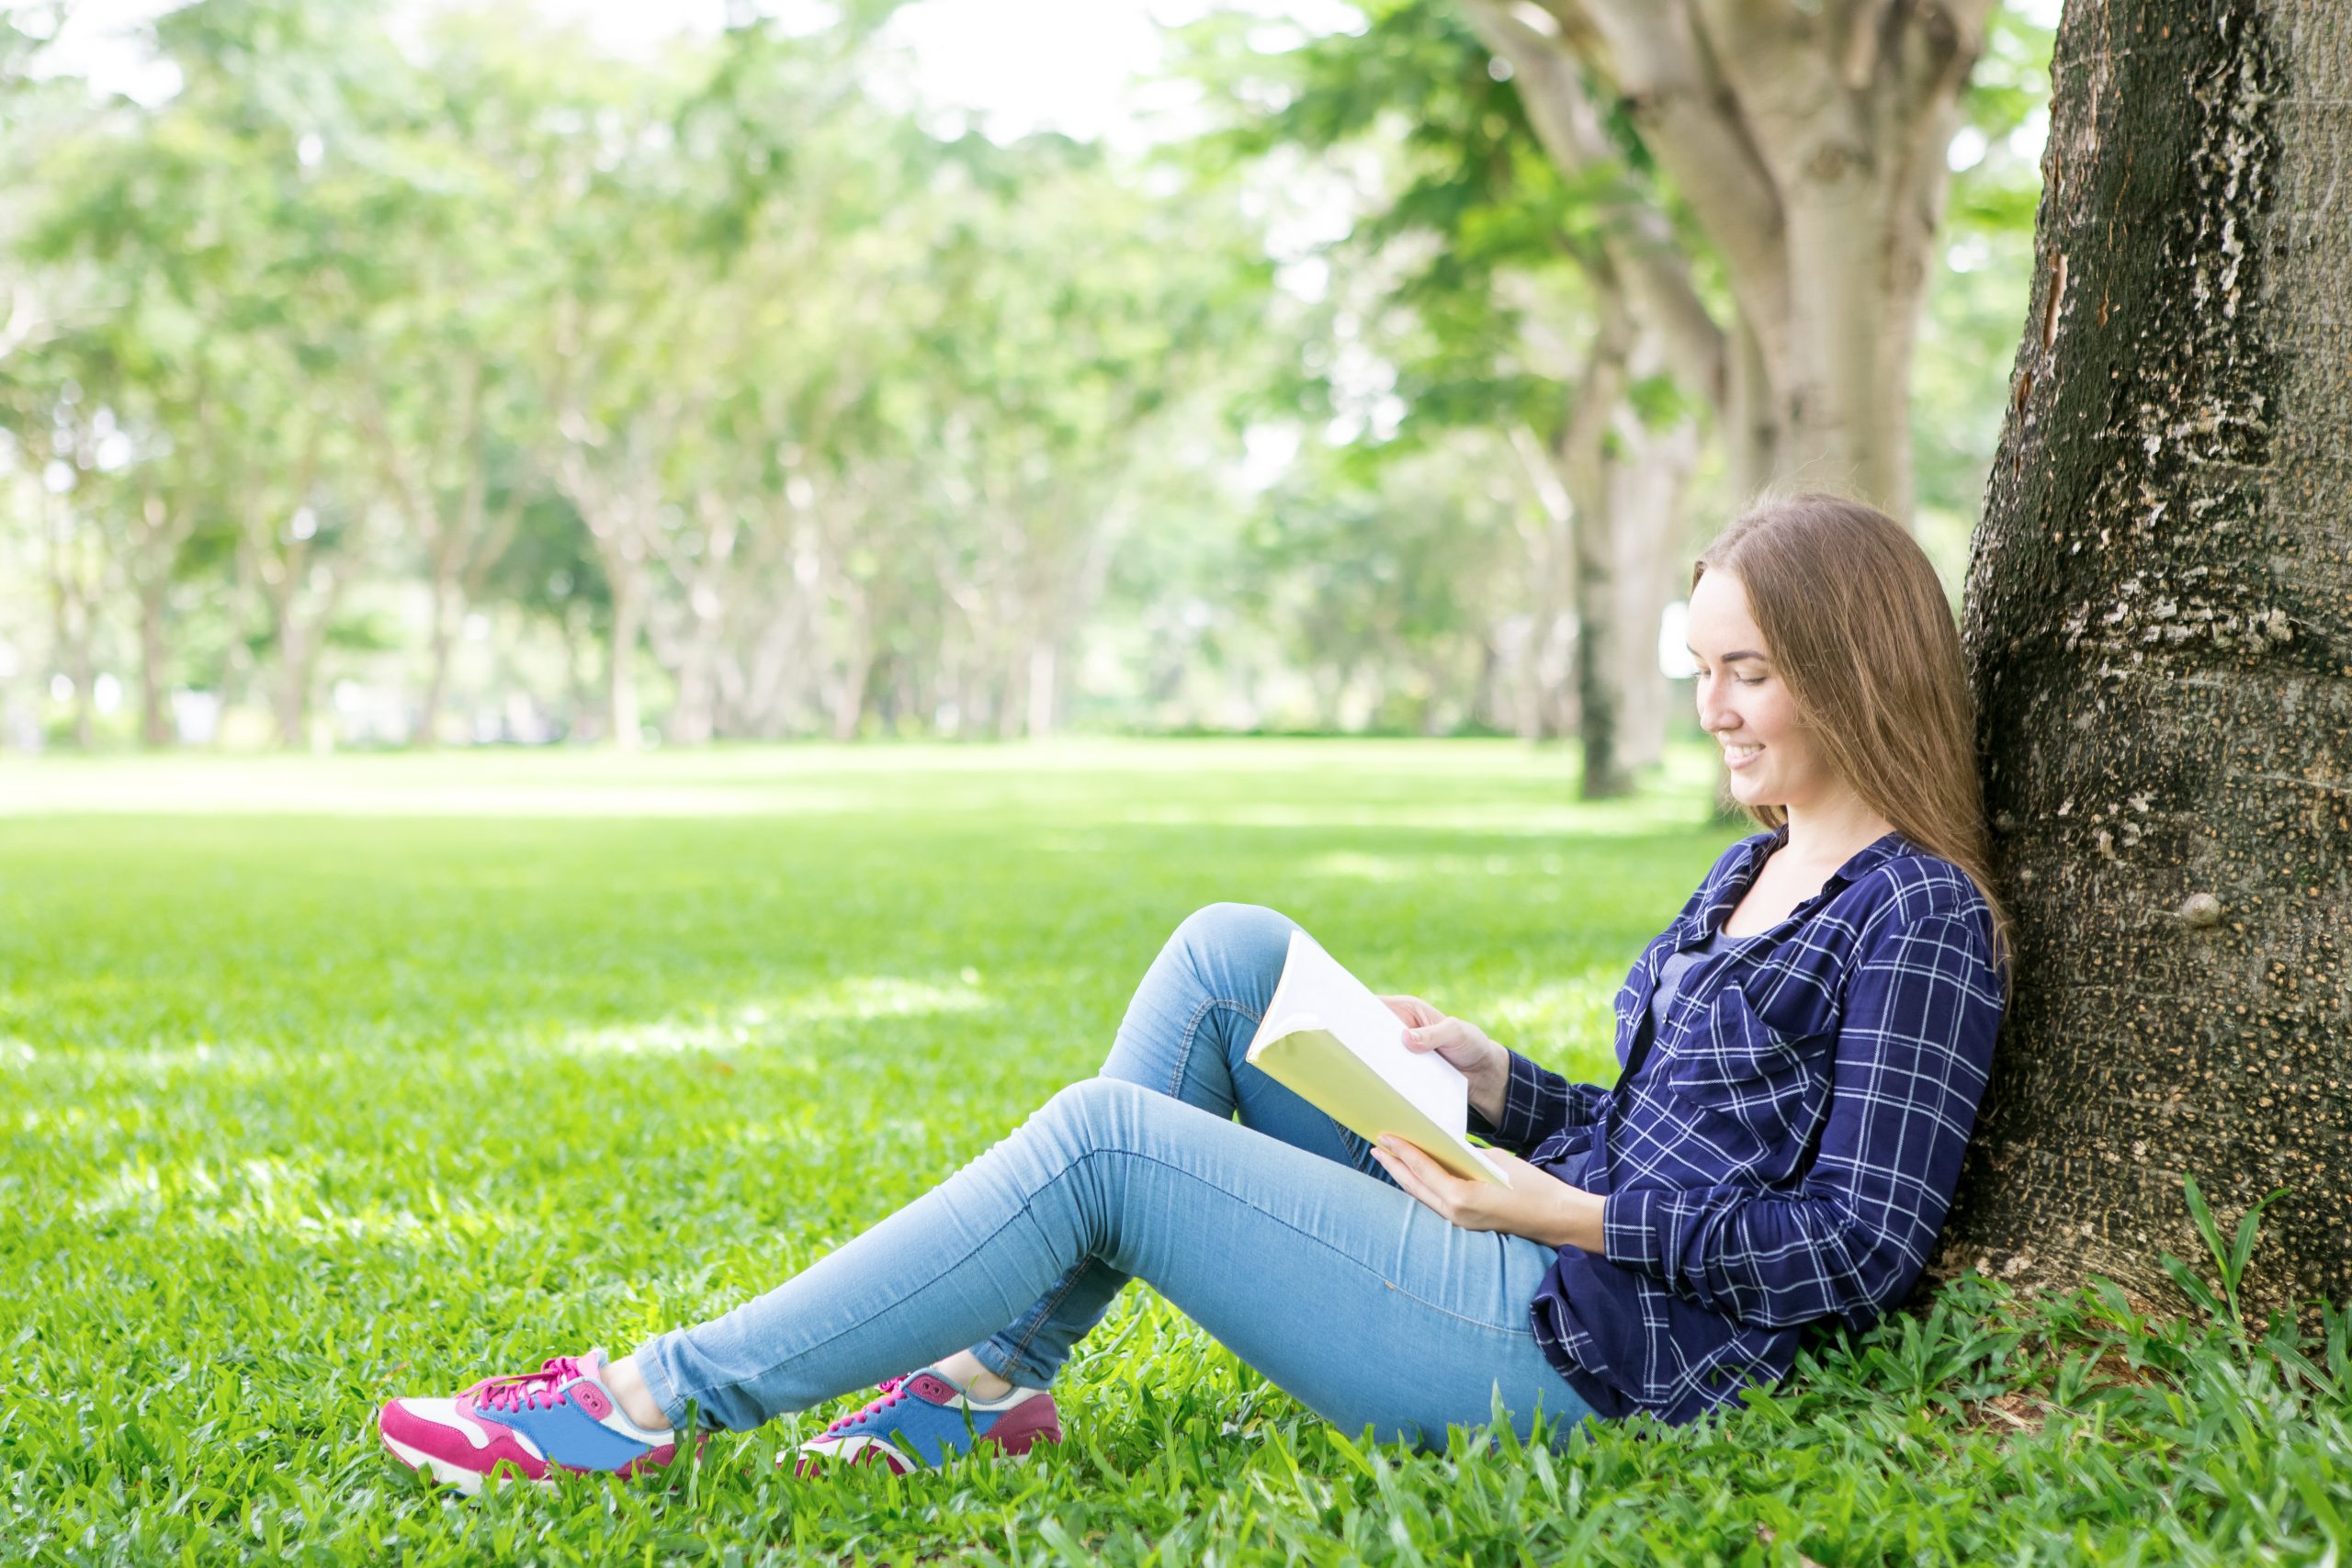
(1858,625)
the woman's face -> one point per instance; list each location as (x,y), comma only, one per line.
(1746,705)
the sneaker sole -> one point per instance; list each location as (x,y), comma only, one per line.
(808,1462)
(470,1481)
(466,1481)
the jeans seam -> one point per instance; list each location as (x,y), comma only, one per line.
(1184,1060)
(659,1385)
(1175,1091)
(1069,1284)
(1508,1331)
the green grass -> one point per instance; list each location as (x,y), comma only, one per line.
(325,1079)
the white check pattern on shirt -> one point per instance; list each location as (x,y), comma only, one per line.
(1786,1149)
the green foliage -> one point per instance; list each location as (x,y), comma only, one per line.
(1968,337)
(777,354)
(1467,192)
(306,1105)
(2228,1262)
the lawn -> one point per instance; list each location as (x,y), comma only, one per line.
(324,1079)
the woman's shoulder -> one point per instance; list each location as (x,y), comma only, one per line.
(1910,886)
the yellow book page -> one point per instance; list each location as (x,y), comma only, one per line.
(1314,1066)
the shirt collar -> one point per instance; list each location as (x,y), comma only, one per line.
(1739,874)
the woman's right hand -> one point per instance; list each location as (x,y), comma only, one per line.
(1459,1041)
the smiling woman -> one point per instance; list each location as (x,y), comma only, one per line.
(1830,670)
(1802,1049)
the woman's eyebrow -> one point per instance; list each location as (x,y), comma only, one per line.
(1728,658)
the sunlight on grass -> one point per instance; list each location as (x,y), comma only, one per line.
(306,1106)
(1567,1024)
(864,996)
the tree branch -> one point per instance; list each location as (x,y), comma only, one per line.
(1640,242)
(1652,53)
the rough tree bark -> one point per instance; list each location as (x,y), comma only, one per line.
(2159,621)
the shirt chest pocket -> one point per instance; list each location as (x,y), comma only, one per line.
(1756,1091)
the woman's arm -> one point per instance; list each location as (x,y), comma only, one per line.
(1914,1047)
(1530,1104)
(1537,1204)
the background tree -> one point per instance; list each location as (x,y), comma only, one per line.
(1810,146)
(1497,299)
(856,422)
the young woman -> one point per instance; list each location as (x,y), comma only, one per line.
(1802,1050)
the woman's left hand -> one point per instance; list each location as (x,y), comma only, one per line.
(1536,1204)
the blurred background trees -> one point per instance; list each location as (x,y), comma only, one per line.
(415,377)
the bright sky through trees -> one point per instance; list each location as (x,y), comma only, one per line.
(1017,66)
(1178,421)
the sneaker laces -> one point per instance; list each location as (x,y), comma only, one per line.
(888,1396)
(528,1391)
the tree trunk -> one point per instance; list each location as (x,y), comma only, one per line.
(293,694)
(857,669)
(628,624)
(1809,142)
(154,648)
(1546,655)
(2157,625)
(1646,500)
(1043,689)
(1588,469)
(86,696)
(439,640)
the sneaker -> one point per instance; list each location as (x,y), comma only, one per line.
(920,1420)
(562,1417)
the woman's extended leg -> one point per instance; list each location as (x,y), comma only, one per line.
(1355,1298)
(1186,1031)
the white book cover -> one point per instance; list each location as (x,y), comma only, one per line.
(1327,1038)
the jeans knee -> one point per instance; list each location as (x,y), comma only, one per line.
(1087,1115)
(1247,936)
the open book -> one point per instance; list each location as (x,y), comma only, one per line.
(1327,1038)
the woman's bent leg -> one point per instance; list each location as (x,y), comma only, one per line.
(1351,1295)
(1186,1032)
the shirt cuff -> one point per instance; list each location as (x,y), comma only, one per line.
(1634,1226)
(1522,1124)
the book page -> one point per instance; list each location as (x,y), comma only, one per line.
(1315,984)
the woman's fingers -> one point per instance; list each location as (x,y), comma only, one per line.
(1412,1011)
(1412,1169)
(1447,1035)
(1403,1174)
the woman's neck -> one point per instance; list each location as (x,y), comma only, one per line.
(1828,834)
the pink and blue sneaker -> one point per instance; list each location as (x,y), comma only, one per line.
(562,1417)
(920,1420)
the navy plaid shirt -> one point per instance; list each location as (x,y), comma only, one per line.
(1785,1149)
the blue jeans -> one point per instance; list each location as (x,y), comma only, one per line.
(1280,1235)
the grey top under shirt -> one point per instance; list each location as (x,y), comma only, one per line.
(1670,974)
